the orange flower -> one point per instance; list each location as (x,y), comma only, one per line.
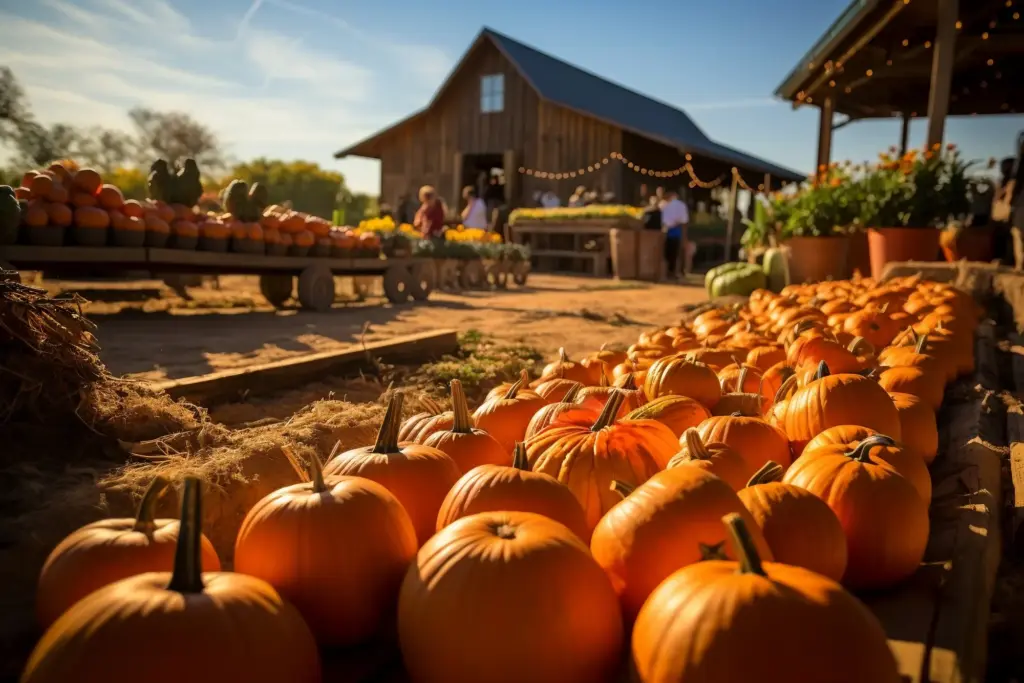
(951,146)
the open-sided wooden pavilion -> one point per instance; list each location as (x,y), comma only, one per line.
(546,124)
(911,59)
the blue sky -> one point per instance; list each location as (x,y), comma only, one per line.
(303,78)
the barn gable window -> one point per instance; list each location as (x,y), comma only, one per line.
(492,93)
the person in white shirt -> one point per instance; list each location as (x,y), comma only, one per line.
(675,219)
(550,200)
(475,213)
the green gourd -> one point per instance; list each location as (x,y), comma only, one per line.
(718,271)
(740,280)
(776,269)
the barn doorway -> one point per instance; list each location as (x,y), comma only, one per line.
(487,173)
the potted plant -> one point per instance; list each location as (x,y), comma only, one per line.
(817,221)
(908,199)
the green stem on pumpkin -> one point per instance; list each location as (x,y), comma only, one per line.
(786,387)
(769,472)
(460,410)
(610,411)
(514,389)
(922,341)
(519,459)
(694,445)
(570,396)
(621,488)
(743,544)
(187,575)
(628,383)
(858,343)
(822,371)
(862,453)
(145,513)
(387,435)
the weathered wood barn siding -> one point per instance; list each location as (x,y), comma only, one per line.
(528,132)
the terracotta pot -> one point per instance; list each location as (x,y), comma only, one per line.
(973,244)
(859,257)
(901,244)
(814,259)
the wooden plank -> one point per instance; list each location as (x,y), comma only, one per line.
(19,254)
(569,253)
(281,375)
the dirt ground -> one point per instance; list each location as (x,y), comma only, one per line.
(149,332)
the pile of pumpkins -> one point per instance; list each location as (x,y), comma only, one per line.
(64,204)
(697,507)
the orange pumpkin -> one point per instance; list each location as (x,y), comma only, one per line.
(487,564)
(79,198)
(492,488)
(555,390)
(799,527)
(185,228)
(789,623)
(678,413)
(109,550)
(507,418)
(157,225)
(133,209)
(588,459)
(884,517)
(677,375)
(873,324)
(418,476)
(198,612)
(929,385)
(550,413)
(87,180)
(58,193)
(764,357)
(110,197)
(59,214)
(466,446)
(41,186)
(832,400)
(670,521)
(918,426)
(564,368)
(92,217)
(304,538)
(715,358)
(596,397)
(751,437)
(421,425)
(814,350)
(717,458)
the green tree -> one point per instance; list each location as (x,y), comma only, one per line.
(131,180)
(355,206)
(174,136)
(309,187)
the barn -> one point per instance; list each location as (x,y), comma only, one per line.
(512,112)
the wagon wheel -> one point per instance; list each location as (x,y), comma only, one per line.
(472,275)
(277,288)
(396,284)
(10,273)
(316,288)
(519,272)
(422,280)
(497,276)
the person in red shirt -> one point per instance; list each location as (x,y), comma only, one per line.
(430,218)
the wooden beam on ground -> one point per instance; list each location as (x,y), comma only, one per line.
(942,70)
(268,378)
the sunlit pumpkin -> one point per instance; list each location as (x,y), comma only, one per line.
(419,476)
(670,521)
(529,574)
(678,413)
(420,426)
(717,458)
(564,368)
(751,437)
(677,375)
(547,415)
(918,426)
(507,417)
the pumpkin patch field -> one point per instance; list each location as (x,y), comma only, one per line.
(803,487)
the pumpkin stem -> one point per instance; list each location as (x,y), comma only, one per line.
(622,488)
(187,575)
(563,357)
(387,435)
(862,453)
(938,325)
(860,342)
(570,396)
(922,341)
(743,543)
(741,380)
(519,459)
(514,389)
(769,472)
(913,334)
(144,515)
(786,386)
(604,379)
(610,411)
(822,371)
(695,446)
(712,552)
(460,410)
(316,474)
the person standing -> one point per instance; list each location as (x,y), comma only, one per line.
(651,217)
(675,219)
(430,217)
(474,215)
(578,197)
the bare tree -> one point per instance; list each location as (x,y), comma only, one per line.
(174,136)
(105,149)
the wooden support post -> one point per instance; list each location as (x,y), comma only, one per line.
(905,134)
(767,183)
(942,70)
(825,135)
(733,202)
